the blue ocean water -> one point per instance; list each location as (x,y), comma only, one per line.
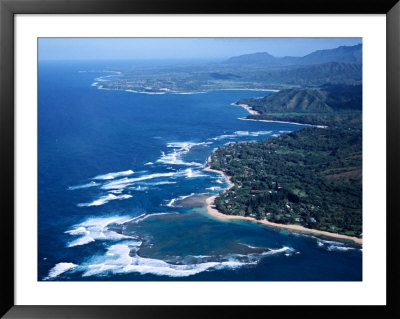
(113,166)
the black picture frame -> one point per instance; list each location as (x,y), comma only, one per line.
(8,9)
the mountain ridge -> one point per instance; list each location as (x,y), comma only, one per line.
(348,54)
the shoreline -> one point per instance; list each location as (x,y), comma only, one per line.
(160,92)
(285,122)
(212,211)
(249,109)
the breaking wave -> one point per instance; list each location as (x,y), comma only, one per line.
(179,149)
(104,200)
(331,245)
(114,175)
(241,134)
(125,182)
(96,228)
(59,269)
(122,258)
(91,184)
(171,203)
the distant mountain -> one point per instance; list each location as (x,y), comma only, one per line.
(254,58)
(348,54)
(345,54)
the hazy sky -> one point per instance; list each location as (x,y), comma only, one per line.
(180,48)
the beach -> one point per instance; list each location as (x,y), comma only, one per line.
(212,211)
(249,109)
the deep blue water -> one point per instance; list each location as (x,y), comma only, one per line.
(107,157)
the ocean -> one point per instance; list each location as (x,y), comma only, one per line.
(121,189)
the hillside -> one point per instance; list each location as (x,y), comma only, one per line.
(331,105)
(291,100)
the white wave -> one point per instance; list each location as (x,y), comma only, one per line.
(186,146)
(96,228)
(142,217)
(139,188)
(152,176)
(158,183)
(337,243)
(172,201)
(339,248)
(188,93)
(91,184)
(332,245)
(179,149)
(224,136)
(119,184)
(144,92)
(125,182)
(114,175)
(214,188)
(59,269)
(256,133)
(105,77)
(149,163)
(251,247)
(240,133)
(116,191)
(81,241)
(122,258)
(104,200)
(78,231)
(94,83)
(189,173)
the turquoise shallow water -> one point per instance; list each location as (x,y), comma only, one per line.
(112,168)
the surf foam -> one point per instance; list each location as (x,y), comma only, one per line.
(58,269)
(91,184)
(104,200)
(95,228)
(114,175)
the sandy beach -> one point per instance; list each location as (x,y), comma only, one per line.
(212,211)
(249,109)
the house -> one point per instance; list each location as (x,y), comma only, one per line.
(228,206)
(312,219)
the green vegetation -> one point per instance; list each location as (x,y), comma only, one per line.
(310,177)
(330,105)
(328,99)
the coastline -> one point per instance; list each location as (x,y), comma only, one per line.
(212,211)
(249,109)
